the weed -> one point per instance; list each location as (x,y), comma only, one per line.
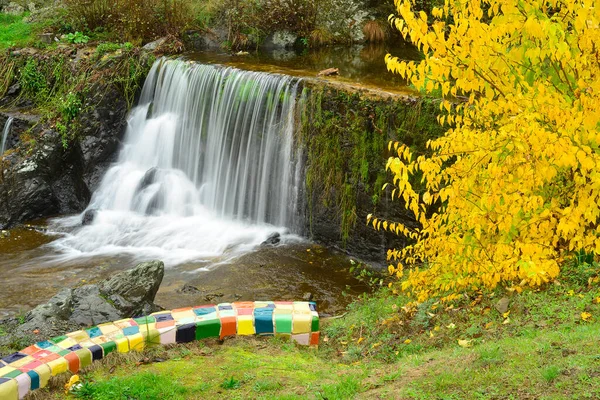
(33,82)
(231,383)
(77,38)
(550,373)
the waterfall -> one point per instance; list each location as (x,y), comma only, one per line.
(5,134)
(208,165)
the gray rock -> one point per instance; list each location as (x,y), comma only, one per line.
(88,217)
(128,294)
(155,45)
(133,291)
(273,239)
(502,305)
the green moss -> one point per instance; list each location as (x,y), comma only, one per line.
(59,89)
(346,138)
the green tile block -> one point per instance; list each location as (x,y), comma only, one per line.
(85,357)
(12,374)
(283,323)
(64,353)
(208,328)
(58,339)
(315,324)
(109,347)
(145,320)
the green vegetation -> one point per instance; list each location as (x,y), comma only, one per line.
(346,137)
(14,31)
(60,90)
(539,347)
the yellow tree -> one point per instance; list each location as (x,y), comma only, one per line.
(515,180)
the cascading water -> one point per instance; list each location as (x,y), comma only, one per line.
(207,167)
(5,134)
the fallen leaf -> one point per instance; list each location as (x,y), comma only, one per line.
(598,300)
(506,321)
(489,325)
(36,331)
(506,314)
(360,340)
(451,326)
(586,316)
(376,345)
(407,341)
(464,343)
(430,334)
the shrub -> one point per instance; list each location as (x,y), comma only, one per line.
(133,20)
(512,187)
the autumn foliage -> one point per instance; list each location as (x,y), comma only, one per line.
(513,187)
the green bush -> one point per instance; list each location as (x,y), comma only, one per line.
(137,21)
(77,38)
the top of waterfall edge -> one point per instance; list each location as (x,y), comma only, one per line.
(309,77)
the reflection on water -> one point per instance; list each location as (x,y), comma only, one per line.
(359,64)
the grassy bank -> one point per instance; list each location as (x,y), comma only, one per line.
(544,345)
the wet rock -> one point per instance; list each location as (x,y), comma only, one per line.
(189,289)
(88,217)
(272,240)
(127,294)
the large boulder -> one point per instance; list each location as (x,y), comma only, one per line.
(127,294)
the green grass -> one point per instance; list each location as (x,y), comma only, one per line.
(382,349)
(14,31)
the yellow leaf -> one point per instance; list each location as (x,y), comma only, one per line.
(506,321)
(464,343)
(506,314)
(586,316)
(451,326)
(407,341)
(360,340)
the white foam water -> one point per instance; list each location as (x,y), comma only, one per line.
(5,133)
(207,168)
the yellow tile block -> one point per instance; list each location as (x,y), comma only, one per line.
(78,336)
(9,390)
(136,342)
(6,370)
(301,322)
(68,342)
(245,325)
(122,345)
(108,328)
(301,306)
(58,366)
(183,314)
(45,373)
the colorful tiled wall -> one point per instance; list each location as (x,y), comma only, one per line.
(31,368)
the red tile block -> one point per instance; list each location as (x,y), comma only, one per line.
(228,326)
(314,339)
(73,361)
